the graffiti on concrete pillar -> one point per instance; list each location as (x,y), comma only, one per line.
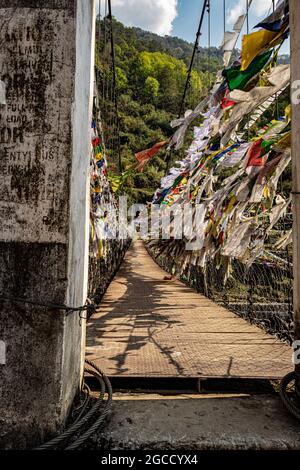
(37,71)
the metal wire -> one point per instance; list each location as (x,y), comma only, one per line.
(114,83)
(209,40)
(224,16)
(196,45)
(88,307)
(260,293)
(84,405)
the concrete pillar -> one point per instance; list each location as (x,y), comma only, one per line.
(46,66)
(295,76)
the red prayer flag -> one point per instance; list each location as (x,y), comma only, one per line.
(225,102)
(145,155)
(96,142)
(254,154)
(149,153)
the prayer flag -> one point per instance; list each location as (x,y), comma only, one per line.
(226,102)
(276,19)
(238,79)
(144,156)
(258,149)
(256,43)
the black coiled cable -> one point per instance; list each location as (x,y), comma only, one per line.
(290,400)
(98,412)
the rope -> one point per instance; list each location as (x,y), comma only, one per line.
(101,408)
(89,307)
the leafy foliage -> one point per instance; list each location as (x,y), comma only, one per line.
(151,73)
(150,77)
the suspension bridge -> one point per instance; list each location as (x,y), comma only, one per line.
(150,327)
(207,323)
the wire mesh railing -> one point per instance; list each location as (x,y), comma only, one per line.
(102,270)
(261,293)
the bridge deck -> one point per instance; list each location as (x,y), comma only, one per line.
(149,327)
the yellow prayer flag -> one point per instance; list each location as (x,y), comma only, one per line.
(256,43)
(115,186)
(183,181)
(100,249)
(230,205)
(288,113)
(266,192)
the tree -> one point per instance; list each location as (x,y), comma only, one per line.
(151,88)
(121,79)
(150,74)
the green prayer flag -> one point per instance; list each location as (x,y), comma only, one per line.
(237,79)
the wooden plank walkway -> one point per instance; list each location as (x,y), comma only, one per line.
(149,327)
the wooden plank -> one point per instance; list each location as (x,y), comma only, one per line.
(148,327)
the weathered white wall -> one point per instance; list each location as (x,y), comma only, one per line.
(80,180)
(295,76)
(46,63)
(35,122)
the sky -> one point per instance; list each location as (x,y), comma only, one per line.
(181,17)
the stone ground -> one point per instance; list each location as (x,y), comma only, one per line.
(198,422)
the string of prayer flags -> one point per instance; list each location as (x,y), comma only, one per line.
(231,172)
(101,194)
(235,156)
(248,101)
(230,40)
(117,181)
(261,109)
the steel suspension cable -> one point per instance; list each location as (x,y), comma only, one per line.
(114,79)
(276,95)
(247,15)
(196,45)
(209,41)
(224,16)
(85,425)
(247,20)
(104,71)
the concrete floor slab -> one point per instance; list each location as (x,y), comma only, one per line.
(198,422)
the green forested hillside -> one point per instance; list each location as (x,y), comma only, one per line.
(151,72)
